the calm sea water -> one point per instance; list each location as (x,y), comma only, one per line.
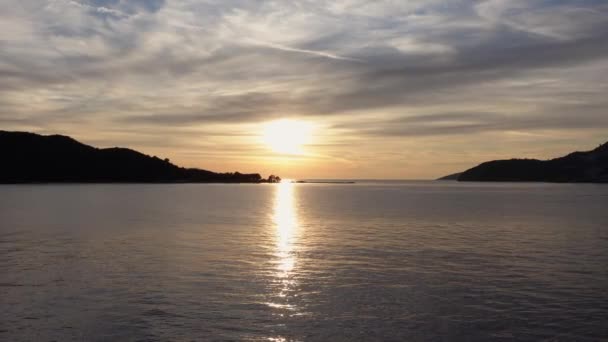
(409,261)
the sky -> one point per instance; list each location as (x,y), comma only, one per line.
(390,89)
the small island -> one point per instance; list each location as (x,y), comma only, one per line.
(323,182)
(576,167)
(33,158)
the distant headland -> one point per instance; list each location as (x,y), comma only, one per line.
(577,167)
(453,176)
(34,158)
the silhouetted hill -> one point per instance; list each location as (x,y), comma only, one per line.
(29,157)
(589,167)
(453,176)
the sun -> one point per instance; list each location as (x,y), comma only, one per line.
(287,136)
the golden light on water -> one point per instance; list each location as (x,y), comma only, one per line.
(286,225)
(285,220)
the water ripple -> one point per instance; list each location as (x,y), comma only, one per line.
(299,262)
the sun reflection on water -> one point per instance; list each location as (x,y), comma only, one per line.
(286,225)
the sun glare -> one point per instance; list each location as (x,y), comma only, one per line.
(287,136)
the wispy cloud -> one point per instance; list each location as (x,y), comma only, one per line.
(304,51)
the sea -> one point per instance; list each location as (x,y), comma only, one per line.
(369,261)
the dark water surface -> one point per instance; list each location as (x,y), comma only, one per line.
(412,261)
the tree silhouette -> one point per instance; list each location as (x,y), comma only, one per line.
(274,179)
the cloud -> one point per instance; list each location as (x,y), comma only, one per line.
(551,19)
(463,123)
